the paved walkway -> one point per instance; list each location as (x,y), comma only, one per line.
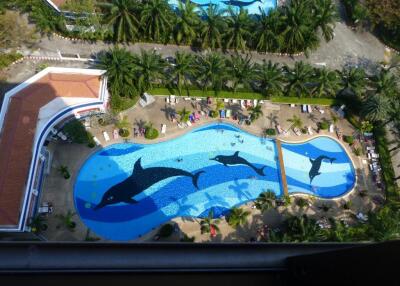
(347,48)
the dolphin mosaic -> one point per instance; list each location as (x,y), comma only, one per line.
(240,3)
(316,165)
(236,160)
(140,180)
(197,4)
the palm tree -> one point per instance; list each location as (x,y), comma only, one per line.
(255,112)
(212,27)
(149,69)
(240,70)
(265,201)
(353,81)
(182,70)
(186,23)
(384,224)
(211,71)
(209,223)
(237,216)
(325,17)
(376,108)
(119,65)
(120,14)
(156,20)
(238,32)
(66,220)
(184,114)
(267,35)
(327,82)
(297,27)
(123,124)
(296,122)
(302,229)
(298,78)
(385,83)
(270,78)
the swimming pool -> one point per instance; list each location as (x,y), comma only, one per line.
(252,6)
(125,190)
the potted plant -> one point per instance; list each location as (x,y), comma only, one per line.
(63,170)
(66,220)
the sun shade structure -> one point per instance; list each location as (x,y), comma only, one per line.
(29,113)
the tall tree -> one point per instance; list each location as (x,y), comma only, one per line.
(326,82)
(149,69)
(182,70)
(325,17)
(353,81)
(270,78)
(298,79)
(237,217)
(267,32)
(120,68)
(122,17)
(376,108)
(385,84)
(211,71)
(186,23)
(238,32)
(240,70)
(212,27)
(156,20)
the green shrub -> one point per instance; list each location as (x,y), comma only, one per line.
(214,113)
(348,139)
(324,125)
(7,59)
(123,132)
(357,151)
(151,133)
(91,144)
(270,132)
(166,230)
(77,132)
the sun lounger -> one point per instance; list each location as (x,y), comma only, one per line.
(234,101)
(309,108)
(370,148)
(242,104)
(255,101)
(303,108)
(106,137)
(115,134)
(297,131)
(222,113)
(279,129)
(331,128)
(309,129)
(97,141)
(189,123)
(180,125)
(226,100)
(292,105)
(262,101)
(228,113)
(187,98)
(172,99)
(62,136)
(286,133)
(163,128)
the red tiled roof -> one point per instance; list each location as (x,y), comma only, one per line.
(19,127)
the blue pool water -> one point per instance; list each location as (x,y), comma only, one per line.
(177,178)
(252,6)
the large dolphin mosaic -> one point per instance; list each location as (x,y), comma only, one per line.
(140,180)
(316,165)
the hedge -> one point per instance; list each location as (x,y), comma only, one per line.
(304,100)
(210,93)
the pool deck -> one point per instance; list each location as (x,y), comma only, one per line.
(282,167)
(59,191)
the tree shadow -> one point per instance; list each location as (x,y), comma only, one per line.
(168,111)
(140,123)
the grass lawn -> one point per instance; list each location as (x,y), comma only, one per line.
(297,100)
(245,95)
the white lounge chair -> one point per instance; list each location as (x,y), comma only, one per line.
(292,105)
(242,105)
(228,113)
(187,99)
(297,131)
(226,100)
(106,136)
(279,129)
(189,123)
(172,99)
(331,128)
(255,102)
(62,136)
(262,101)
(167,100)
(309,108)
(303,108)
(97,141)
(163,128)
(309,129)
(181,125)
(234,101)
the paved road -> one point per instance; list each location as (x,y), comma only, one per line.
(348,47)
